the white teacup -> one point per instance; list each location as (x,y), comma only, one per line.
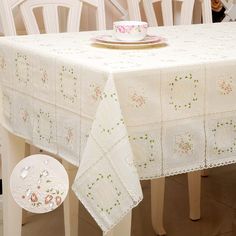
(130,30)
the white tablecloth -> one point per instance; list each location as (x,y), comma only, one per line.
(124,115)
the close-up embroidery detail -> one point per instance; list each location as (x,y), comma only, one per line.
(68,86)
(44,129)
(149,143)
(109,179)
(184,144)
(222,131)
(22,68)
(226,86)
(188,103)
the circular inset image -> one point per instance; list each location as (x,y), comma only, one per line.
(39,183)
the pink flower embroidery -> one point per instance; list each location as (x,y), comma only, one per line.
(96,92)
(2,63)
(44,76)
(34,197)
(138,100)
(24,115)
(48,199)
(70,135)
(225,87)
(184,144)
(58,200)
(185,147)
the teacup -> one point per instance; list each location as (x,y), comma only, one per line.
(130,30)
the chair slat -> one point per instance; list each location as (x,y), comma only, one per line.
(50,17)
(29,18)
(74,16)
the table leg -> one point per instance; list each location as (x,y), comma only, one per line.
(25,214)
(157,205)
(13,150)
(71,203)
(123,228)
(194,185)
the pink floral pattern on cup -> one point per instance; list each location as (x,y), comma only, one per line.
(130,30)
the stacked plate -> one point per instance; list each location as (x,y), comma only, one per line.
(110,41)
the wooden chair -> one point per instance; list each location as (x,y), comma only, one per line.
(51,22)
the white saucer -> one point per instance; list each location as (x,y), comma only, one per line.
(109,41)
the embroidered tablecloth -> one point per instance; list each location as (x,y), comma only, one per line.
(124,115)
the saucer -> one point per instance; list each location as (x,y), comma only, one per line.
(110,42)
(111,39)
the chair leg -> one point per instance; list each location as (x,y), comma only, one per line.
(123,228)
(157,205)
(71,204)
(194,185)
(13,150)
(26,214)
(25,217)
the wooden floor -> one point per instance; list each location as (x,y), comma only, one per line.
(218,211)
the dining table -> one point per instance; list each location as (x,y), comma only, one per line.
(121,114)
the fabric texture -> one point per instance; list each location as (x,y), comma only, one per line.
(124,115)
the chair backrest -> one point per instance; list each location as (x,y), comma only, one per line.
(206,11)
(50,15)
(6,14)
(185,14)
(166,8)
(100,13)
(50,10)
